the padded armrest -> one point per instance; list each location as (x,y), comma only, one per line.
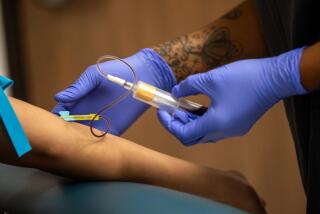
(24,190)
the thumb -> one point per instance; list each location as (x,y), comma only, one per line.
(189,86)
(80,88)
(189,133)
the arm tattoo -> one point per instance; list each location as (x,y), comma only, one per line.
(202,50)
(189,54)
(182,55)
(220,48)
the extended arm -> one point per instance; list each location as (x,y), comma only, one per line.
(236,35)
(69,149)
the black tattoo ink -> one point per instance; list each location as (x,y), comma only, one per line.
(186,55)
(219,48)
(181,55)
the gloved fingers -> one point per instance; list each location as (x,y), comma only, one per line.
(184,117)
(188,133)
(208,138)
(179,115)
(188,87)
(211,138)
(192,132)
(165,119)
(197,130)
(59,107)
(80,88)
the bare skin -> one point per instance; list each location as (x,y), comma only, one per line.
(310,67)
(69,149)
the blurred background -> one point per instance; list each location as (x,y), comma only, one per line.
(47,44)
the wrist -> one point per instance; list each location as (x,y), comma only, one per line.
(310,67)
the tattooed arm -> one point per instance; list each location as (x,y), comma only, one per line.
(234,36)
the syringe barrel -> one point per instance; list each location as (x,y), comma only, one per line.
(155,97)
(164,100)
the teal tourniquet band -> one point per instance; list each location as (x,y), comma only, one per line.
(7,115)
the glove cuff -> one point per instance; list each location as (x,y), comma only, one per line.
(289,73)
(297,74)
(162,74)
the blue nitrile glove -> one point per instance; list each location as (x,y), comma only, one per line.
(241,92)
(91,92)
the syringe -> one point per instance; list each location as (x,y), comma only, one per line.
(157,97)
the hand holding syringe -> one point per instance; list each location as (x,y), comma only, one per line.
(157,97)
(141,91)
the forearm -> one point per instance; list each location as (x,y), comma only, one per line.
(310,67)
(58,146)
(170,172)
(236,35)
(69,149)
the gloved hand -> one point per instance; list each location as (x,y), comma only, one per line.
(91,92)
(240,93)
